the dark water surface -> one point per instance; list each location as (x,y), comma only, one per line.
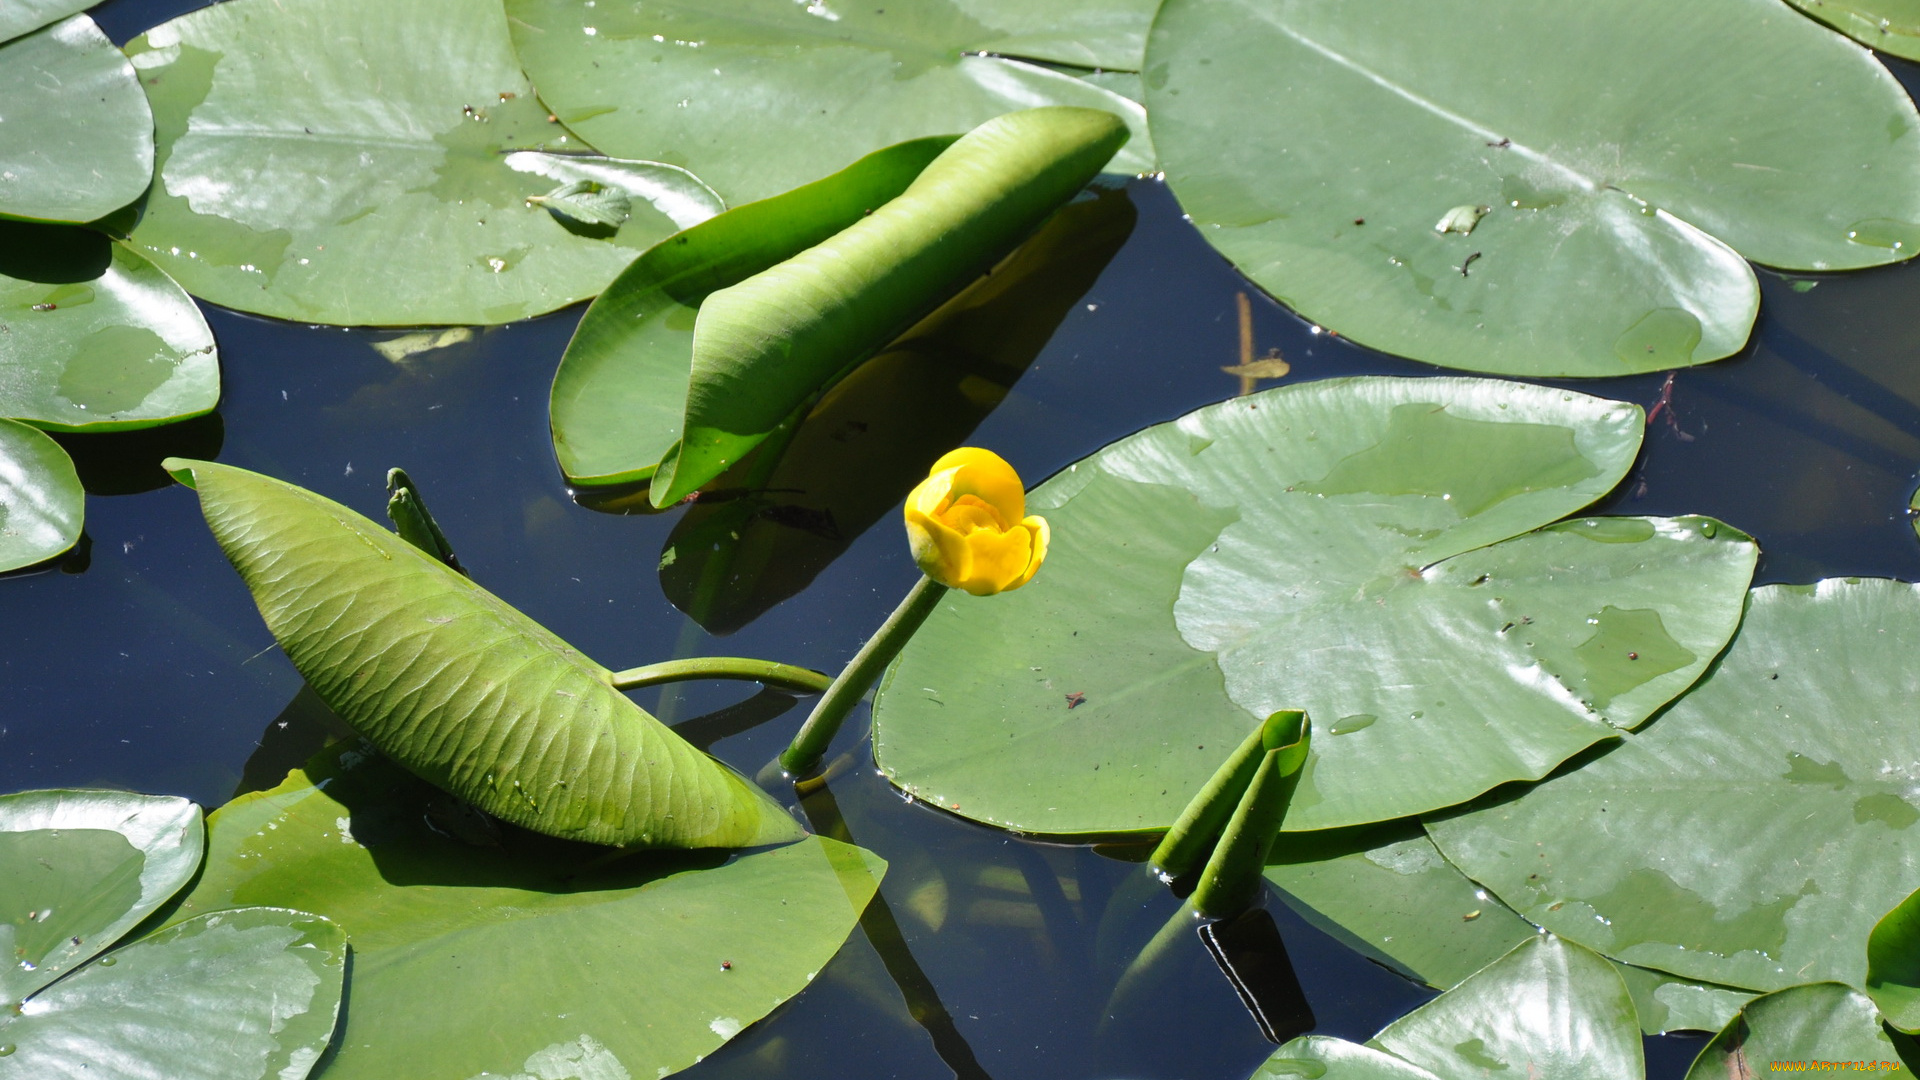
(151,670)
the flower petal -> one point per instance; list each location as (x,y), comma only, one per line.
(986,474)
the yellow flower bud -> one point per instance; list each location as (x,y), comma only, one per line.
(968,524)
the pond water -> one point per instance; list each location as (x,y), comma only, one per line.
(141,663)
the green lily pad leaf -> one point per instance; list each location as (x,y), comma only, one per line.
(41,500)
(1357,548)
(1891,26)
(1385,892)
(112,350)
(763,347)
(462,689)
(76,141)
(1321,1057)
(759,96)
(1709,845)
(620,394)
(1670,1003)
(1822,1022)
(292,155)
(455,924)
(21,16)
(1493,1020)
(1893,964)
(1618,202)
(80,868)
(250,994)
(1547,1008)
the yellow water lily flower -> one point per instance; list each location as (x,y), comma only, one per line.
(969,527)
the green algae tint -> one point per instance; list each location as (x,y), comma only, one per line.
(1886,808)
(1757,928)
(1349,724)
(1899,236)
(1663,338)
(1424,443)
(1609,530)
(1629,647)
(98,878)
(1802,769)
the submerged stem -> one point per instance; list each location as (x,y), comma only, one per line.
(860,674)
(783,676)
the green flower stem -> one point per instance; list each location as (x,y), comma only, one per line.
(780,676)
(852,685)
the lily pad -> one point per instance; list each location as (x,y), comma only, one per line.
(78,869)
(759,96)
(1358,548)
(639,967)
(1548,1008)
(1893,965)
(463,689)
(76,140)
(109,350)
(378,176)
(1891,26)
(1387,893)
(41,500)
(251,994)
(1617,198)
(1754,834)
(21,16)
(1825,1023)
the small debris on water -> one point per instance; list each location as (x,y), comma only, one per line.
(1075,700)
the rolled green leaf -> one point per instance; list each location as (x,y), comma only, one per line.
(462,689)
(407,509)
(1186,844)
(1231,881)
(620,394)
(761,347)
(1893,965)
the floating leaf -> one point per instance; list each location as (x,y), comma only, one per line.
(588,203)
(1356,548)
(759,96)
(1827,1023)
(1618,199)
(1713,844)
(80,868)
(1893,964)
(293,155)
(620,394)
(41,501)
(97,338)
(251,994)
(763,346)
(1387,893)
(1548,1008)
(638,967)
(1887,25)
(76,140)
(461,688)
(20,16)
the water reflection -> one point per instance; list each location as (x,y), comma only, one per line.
(761,532)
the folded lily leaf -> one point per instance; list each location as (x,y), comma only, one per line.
(619,395)
(462,689)
(762,347)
